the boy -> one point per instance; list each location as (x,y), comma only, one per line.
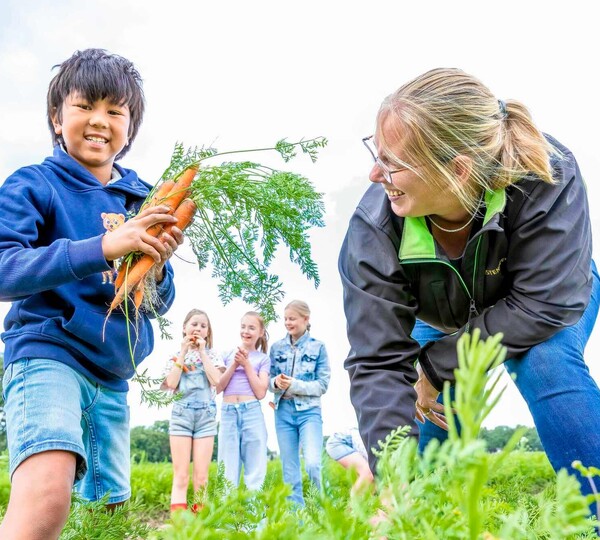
(62,226)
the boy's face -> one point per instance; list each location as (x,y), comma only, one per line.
(93,133)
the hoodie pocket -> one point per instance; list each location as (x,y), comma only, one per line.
(106,342)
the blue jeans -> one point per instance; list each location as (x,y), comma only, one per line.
(563,398)
(243,441)
(297,429)
(50,406)
(423,333)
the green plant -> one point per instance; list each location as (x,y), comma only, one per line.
(245,210)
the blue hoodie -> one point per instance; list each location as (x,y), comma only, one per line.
(52,220)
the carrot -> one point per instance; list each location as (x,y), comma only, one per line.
(171,194)
(138,270)
(138,295)
(181,189)
(160,193)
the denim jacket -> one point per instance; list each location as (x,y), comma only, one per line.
(307,362)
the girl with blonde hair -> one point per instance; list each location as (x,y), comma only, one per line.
(299,377)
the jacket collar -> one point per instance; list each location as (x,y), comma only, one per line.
(305,337)
(417,241)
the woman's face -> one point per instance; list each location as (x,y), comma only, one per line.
(295,323)
(409,195)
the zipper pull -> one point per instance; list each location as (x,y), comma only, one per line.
(472,309)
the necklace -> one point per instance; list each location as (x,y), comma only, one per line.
(463,226)
(453,230)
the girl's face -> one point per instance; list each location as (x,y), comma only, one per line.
(93,133)
(197,325)
(250,331)
(295,323)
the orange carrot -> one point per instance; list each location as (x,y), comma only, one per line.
(181,189)
(138,295)
(169,194)
(173,198)
(160,193)
(138,270)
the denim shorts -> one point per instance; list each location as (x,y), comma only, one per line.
(194,419)
(50,406)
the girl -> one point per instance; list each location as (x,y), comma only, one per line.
(193,373)
(243,433)
(299,377)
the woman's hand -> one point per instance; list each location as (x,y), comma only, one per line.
(427,406)
(283,382)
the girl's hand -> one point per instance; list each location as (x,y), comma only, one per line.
(283,382)
(133,235)
(199,342)
(241,357)
(189,342)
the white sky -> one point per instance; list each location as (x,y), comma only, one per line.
(241,74)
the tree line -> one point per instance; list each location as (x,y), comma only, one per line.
(151,443)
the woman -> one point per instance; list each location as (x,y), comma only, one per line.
(483,222)
(299,377)
(243,433)
(193,373)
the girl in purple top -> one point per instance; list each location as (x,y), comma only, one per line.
(243,433)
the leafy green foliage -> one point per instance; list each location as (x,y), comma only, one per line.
(456,490)
(245,206)
(245,211)
(151,443)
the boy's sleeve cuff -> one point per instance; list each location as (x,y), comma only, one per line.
(86,257)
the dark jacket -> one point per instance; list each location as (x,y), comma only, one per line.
(526,273)
(52,220)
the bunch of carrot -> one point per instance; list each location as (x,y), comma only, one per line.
(132,272)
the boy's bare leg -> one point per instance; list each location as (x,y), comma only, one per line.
(40,497)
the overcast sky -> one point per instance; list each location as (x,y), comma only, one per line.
(246,74)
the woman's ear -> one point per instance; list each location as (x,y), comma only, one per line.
(462,167)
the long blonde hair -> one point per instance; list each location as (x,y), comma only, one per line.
(446,113)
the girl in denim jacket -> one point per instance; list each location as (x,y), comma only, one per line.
(299,377)
(193,373)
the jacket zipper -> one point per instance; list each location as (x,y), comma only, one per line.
(470,294)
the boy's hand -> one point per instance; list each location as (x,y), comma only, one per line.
(133,236)
(171,241)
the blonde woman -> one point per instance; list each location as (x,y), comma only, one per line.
(474,219)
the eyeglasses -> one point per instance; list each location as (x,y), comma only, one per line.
(387,172)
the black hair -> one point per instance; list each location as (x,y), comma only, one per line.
(97,74)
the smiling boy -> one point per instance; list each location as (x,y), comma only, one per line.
(62,225)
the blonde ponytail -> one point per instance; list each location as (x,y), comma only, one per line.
(446,113)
